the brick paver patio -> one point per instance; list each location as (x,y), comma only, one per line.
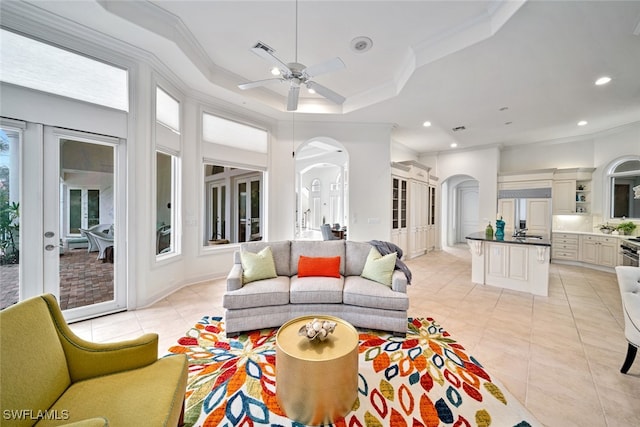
(84,280)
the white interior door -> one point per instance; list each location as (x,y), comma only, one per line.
(467,212)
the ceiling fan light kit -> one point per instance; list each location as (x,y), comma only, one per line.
(296,74)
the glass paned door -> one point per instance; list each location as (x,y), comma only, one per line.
(218,200)
(249,215)
(10,140)
(81,262)
(84,209)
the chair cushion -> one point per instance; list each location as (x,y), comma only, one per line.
(148,396)
(379,268)
(366,293)
(307,290)
(319,266)
(257,266)
(258,294)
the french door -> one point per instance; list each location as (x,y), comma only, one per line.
(249,191)
(73,181)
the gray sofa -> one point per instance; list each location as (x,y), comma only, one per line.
(271,302)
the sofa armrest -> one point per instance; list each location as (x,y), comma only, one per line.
(399,282)
(234,279)
(86,359)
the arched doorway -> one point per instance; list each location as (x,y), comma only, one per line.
(321,166)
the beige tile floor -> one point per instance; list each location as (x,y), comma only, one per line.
(559,355)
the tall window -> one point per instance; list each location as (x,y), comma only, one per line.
(234,193)
(234,201)
(36,65)
(167,173)
(9,215)
(624,184)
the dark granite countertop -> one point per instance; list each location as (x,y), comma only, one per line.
(510,239)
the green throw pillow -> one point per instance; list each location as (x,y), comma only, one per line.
(257,266)
(379,268)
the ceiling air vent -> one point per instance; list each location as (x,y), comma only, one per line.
(458,128)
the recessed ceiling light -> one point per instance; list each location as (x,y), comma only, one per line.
(453,145)
(361,44)
(582,123)
(310,90)
(603,81)
(426,124)
(275,71)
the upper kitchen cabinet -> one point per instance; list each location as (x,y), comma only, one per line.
(572,191)
(524,201)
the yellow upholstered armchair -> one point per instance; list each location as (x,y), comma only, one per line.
(49,376)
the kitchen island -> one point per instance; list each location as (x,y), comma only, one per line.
(517,263)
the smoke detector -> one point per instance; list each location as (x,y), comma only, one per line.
(361,44)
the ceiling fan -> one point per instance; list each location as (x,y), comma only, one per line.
(296,75)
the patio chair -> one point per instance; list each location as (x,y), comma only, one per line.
(103,240)
(103,228)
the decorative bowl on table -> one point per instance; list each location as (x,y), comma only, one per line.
(317,329)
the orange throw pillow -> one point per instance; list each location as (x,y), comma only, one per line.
(318,266)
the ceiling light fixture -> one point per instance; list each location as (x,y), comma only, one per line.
(361,44)
(426,124)
(603,80)
(276,71)
(453,145)
(582,123)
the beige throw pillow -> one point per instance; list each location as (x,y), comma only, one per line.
(379,268)
(257,266)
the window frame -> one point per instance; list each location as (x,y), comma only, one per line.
(609,183)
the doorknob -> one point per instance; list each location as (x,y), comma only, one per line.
(49,234)
(49,247)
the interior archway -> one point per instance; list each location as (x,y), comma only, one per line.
(461,211)
(322,190)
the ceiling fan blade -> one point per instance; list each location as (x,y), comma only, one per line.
(334,64)
(326,92)
(292,99)
(267,55)
(258,83)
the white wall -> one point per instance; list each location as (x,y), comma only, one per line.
(481,165)
(593,151)
(369,201)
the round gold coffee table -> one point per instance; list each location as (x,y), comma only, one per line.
(316,382)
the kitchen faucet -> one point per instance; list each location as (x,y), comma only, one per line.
(520,232)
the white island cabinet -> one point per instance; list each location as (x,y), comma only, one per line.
(519,264)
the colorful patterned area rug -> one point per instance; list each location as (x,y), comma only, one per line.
(426,379)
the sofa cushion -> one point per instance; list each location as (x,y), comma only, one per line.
(281,253)
(356,254)
(379,268)
(316,248)
(367,293)
(259,293)
(305,290)
(318,266)
(257,266)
